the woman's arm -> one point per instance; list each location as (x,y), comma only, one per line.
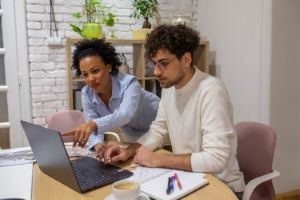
(126,110)
(95,123)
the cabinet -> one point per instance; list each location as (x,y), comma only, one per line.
(138,69)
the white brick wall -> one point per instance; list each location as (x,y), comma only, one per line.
(47,63)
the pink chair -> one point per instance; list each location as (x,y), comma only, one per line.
(65,121)
(68,120)
(256,146)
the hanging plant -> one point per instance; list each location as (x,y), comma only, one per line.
(96,15)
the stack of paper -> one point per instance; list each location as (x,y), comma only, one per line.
(16,156)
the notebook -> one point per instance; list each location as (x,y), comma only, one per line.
(81,174)
(154,182)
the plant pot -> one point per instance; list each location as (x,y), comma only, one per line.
(140,34)
(92,31)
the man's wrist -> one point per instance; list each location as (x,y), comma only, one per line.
(158,159)
(131,150)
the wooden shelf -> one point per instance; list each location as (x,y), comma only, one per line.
(113,41)
(78,80)
(138,78)
(146,78)
(200,60)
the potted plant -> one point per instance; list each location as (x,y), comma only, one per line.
(96,15)
(145,9)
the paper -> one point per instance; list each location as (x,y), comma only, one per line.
(142,174)
(17,156)
(77,151)
(16,181)
(154,182)
(24,155)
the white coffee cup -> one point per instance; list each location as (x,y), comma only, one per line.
(125,190)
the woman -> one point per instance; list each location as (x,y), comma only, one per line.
(110,99)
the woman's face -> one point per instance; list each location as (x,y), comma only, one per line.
(95,73)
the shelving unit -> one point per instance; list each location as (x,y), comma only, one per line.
(139,65)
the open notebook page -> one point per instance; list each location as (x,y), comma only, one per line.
(154,182)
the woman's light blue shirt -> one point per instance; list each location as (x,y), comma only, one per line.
(130,108)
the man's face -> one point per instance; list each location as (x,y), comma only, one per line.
(169,71)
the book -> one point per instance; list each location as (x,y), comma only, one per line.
(154,182)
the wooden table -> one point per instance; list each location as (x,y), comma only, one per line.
(46,188)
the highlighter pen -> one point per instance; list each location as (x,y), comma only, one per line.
(178,181)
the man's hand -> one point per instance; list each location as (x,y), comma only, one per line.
(82,133)
(101,148)
(146,157)
(114,152)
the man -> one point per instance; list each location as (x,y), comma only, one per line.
(195,112)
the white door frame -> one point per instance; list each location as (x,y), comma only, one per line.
(22,41)
(266,50)
(16,70)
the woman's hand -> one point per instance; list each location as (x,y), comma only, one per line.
(81,133)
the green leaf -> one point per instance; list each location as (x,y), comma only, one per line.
(76,29)
(77,15)
(112,35)
(110,21)
(144,8)
(94,2)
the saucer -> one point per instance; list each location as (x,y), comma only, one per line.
(140,197)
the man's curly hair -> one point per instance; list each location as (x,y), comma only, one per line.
(96,47)
(177,39)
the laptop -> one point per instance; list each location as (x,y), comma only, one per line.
(82,174)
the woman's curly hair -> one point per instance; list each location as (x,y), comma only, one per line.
(96,47)
(177,39)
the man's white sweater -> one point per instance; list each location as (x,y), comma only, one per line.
(198,120)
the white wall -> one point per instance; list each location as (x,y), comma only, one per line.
(234,30)
(264,87)
(285,92)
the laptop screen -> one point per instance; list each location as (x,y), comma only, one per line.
(50,153)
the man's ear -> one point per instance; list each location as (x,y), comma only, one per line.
(187,59)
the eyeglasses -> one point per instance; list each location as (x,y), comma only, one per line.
(162,64)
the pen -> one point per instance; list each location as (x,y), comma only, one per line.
(170,187)
(178,181)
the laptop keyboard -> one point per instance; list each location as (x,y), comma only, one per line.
(87,178)
(91,173)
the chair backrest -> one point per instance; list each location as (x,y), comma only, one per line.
(65,121)
(256,146)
